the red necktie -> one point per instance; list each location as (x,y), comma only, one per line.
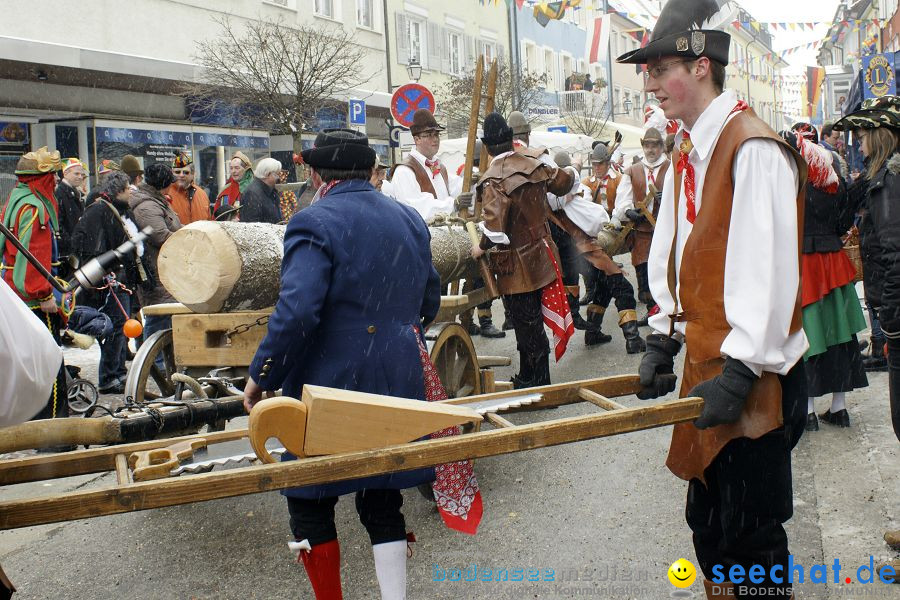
(685,166)
(434,165)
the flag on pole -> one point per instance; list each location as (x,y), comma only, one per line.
(596,45)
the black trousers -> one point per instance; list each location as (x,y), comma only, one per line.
(613,286)
(379,512)
(737,517)
(894,383)
(531,338)
(58,404)
(568,254)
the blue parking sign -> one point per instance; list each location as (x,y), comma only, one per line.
(357,112)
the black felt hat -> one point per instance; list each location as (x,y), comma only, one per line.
(342,149)
(688,29)
(496,131)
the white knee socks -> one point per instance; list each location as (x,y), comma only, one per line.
(811,407)
(838,402)
(390,567)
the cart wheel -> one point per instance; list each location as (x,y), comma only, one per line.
(453,354)
(145,380)
(82,395)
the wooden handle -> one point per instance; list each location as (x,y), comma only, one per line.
(59,432)
(486,274)
(280,418)
(159,462)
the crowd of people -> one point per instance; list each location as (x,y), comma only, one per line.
(720,214)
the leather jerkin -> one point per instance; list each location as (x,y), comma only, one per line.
(514,196)
(701,283)
(422,177)
(640,238)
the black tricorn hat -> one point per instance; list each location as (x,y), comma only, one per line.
(496,131)
(424,121)
(688,29)
(343,149)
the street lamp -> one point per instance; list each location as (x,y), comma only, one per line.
(414,69)
(628,104)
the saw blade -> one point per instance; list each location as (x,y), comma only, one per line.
(495,406)
(205,466)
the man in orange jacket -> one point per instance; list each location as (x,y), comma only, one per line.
(188,200)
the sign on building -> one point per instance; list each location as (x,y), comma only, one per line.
(357,112)
(879,76)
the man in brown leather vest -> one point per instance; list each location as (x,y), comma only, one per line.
(514,191)
(633,191)
(724,268)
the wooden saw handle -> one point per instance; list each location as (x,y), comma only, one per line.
(159,462)
(486,274)
(281,418)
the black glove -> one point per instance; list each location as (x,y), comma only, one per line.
(634,215)
(791,138)
(657,366)
(464,201)
(724,395)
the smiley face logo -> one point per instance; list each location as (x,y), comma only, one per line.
(682,573)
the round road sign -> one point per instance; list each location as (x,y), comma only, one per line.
(408,99)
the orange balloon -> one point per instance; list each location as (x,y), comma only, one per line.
(132,328)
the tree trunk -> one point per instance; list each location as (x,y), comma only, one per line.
(212,266)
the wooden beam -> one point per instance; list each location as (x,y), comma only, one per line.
(473,129)
(93,460)
(600,400)
(559,394)
(473,299)
(493,361)
(251,480)
(498,421)
(122,474)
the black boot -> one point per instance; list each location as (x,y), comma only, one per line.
(586,299)
(577,320)
(634,343)
(488,330)
(594,335)
(645,320)
(876,362)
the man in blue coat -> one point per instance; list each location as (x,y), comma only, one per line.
(357,288)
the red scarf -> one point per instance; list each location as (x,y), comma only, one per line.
(327,187)
(43,186)
(455,486)
(555,309)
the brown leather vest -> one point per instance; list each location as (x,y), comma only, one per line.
(638,176)
(701,283)
(422,177)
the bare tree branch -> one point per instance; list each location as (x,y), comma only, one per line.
(455,97)
(276,75)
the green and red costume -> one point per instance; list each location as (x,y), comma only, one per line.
(231,195)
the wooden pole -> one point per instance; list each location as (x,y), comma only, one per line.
(251,480)
(473,128)
(490,284)
(488,109)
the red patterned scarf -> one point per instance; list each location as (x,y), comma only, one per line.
(455,487)
(555,309)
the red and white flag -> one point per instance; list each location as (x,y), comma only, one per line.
(596,46)
(555,309)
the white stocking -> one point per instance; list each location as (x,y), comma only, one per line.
(811,407)
(838,402)
(390,567)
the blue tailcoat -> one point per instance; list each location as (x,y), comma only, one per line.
(356,278)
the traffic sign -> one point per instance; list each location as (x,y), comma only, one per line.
(394,138)
(408,99)
(559,129)
(357,112)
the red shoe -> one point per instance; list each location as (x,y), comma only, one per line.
(323,566)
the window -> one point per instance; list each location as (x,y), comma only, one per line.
(550,70)
(324,8)
(365,13)
(410,39)
(416,37)
(454,53)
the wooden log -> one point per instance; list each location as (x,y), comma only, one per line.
(251,480)
(216,267)
(212,266)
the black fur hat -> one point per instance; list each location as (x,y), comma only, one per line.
(496,131)
(159,176)
(342,149)
(688,29)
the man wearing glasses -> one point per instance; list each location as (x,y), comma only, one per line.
(633,188)
(422,181)
(188,200)
(724,268)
